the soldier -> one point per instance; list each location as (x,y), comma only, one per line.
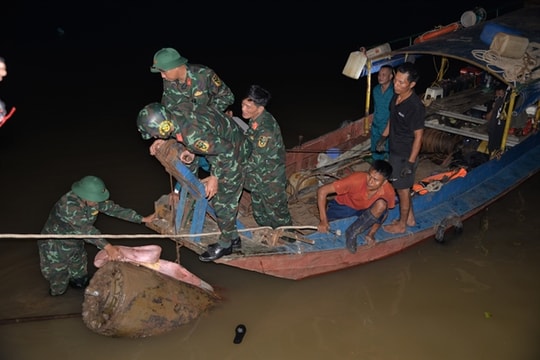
(265,174)
(212,134)
(63,262)
(187,86)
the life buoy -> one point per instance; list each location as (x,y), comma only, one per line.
(437,32)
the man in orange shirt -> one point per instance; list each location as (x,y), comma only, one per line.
(367,195)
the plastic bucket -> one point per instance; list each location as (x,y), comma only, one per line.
(468,18)
(473,17)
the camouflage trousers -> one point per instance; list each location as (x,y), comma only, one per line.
(61,261)
(270,205)
(225,204)
(269,197)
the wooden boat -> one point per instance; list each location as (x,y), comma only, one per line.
(449,117)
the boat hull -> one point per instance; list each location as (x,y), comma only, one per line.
(435,212)
(458,112)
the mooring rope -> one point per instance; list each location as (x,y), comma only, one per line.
(512,70)
(142,236)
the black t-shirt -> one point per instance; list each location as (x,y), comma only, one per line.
(405,119)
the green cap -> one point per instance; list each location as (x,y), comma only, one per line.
(91,188)
(167,59)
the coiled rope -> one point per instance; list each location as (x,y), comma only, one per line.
(436,141)
(512,70)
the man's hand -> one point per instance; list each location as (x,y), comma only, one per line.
(407,169)
(113,253)
(380,147)
(149,218)
(323,227)
(155,146)
(210,186)
(187,157)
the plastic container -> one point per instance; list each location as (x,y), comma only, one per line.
(355,64)
(333,153)
(490,30)
(510,46)
(473,17)
(378,50)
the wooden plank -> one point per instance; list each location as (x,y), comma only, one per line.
(462,117)
(511,140)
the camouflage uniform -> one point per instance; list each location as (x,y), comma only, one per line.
(265,172)
(202,87)
(216,136)
(65,260)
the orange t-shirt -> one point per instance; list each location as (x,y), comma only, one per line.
(352,192)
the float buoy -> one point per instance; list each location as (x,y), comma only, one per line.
(439,31)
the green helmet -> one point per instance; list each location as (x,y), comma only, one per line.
(154,121)
(91,188)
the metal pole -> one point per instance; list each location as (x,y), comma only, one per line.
(38,318)
(367,125)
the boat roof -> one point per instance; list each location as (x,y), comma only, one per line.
(466,44)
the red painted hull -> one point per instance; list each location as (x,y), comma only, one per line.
(301,266)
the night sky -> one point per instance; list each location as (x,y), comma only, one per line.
(227,24)
(68,59)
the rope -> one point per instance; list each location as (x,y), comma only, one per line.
(142,236)
(512,70)
(435,141)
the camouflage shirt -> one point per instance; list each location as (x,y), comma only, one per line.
(71,215)
(202,87)
(216,136)
(268,152)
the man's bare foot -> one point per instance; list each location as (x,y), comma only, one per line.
(410,222)
(370,241)
(395,228)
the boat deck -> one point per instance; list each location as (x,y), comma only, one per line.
(197,229)
(460,114)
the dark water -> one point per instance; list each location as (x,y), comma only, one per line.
(77,94)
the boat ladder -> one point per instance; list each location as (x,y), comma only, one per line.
(193,206)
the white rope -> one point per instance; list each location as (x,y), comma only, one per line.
(101,236)
(512,70)
(139,236)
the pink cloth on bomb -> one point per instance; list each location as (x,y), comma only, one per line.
(148,256)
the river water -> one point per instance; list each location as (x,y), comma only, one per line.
(474,297)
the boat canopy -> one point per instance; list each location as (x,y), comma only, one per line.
(469,44)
